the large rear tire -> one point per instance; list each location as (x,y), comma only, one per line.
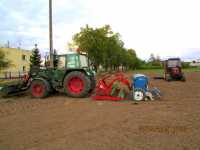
(40,88)
(77,84)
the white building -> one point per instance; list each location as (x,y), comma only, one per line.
(195,63)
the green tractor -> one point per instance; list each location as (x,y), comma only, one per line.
(73,75)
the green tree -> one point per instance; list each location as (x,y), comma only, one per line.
(35,58)
(105,47)
(3,61)
(93,42)
(155,61)
(152,58)
(101,45)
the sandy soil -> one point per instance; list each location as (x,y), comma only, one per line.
(61,123)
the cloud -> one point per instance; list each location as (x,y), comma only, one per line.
(165,28)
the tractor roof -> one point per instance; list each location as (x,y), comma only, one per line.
(174,59)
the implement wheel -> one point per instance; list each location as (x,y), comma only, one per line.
(77,84)
(139,95)
(40,88)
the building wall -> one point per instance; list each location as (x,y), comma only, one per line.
(19,59)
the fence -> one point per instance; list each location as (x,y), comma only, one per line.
(12,75)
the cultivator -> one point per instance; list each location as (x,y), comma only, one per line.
(117,87)
(112,87)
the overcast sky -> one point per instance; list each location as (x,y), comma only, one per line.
(163,27)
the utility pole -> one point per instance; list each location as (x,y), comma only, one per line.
(50,34)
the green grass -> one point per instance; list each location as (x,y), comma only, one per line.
(192,69)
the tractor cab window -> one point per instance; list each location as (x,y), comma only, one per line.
(73,61)
(61,62)
(174,63)
(83,61)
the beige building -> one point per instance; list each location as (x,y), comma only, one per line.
(20,60)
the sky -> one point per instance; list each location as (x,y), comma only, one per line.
(168,28)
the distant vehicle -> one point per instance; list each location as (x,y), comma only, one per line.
(173,70)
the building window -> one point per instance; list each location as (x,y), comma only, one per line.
(23,57)
(24,68)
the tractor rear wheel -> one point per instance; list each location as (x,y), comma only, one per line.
(77,84)
(40,88)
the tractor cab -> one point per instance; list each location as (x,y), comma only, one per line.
(72,61)
(172,63)
(75,61)
(173,69)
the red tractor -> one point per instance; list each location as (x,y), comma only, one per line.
(173,70)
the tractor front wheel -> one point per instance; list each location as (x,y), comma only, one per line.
(40,88)
(77,84)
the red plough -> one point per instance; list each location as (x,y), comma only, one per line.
(104,91)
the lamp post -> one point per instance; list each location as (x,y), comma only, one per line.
(50,34)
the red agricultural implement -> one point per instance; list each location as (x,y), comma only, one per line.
(112,87)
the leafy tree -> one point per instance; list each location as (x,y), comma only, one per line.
(155,61)
(93,42)
(152,58)
(35,58)
(3,61)
(105,48)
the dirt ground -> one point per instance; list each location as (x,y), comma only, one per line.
(63,123)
